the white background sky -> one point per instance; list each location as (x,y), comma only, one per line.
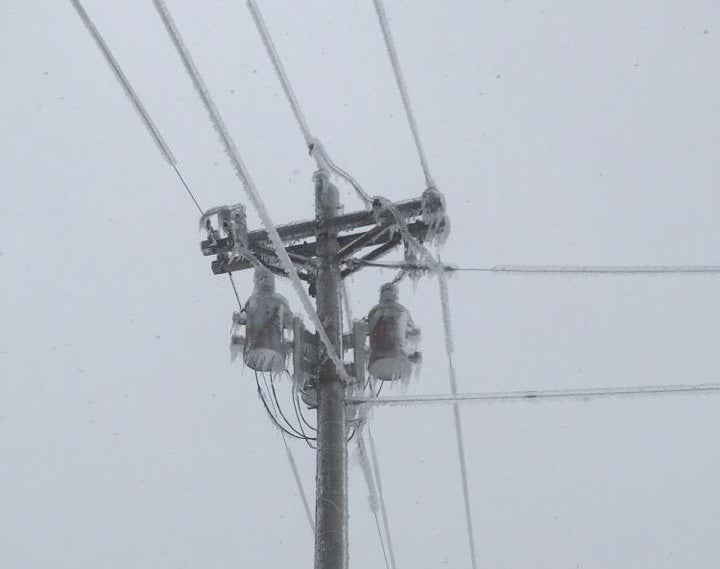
(561,132)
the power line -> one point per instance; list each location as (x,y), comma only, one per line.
(280,71)
(133,97)
(450,349)
(170,159)
(402,87)
(299,484)
(556,269)
(123,80)
(373,496)
(187,188)
(597,269)
(246,180)
(235,290)
(317,150)
(539,394)
(383,509)
(436,265)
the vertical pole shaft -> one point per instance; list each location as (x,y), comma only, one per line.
(331,515)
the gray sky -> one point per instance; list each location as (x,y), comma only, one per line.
(560,132)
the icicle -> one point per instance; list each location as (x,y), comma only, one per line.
(434,216)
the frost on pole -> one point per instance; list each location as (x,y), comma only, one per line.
(394,338)
(266,316)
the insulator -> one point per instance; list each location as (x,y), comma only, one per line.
(434,216)
(393,336)
(267,315)
(229,232)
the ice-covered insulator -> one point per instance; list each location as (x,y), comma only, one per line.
(228,232)
(267,315)
(393,338)
(434,216)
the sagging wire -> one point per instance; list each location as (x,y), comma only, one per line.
(288,451)
(277,406)
(272,416)
(299,406)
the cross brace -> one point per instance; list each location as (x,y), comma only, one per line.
(302,241)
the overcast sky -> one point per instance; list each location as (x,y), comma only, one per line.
(560,132)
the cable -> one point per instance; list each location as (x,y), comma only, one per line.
(270,413)
(133,97)
(426,256)
(235,290)
(292,427)
(298,482)
(557,269)
(127,87)
(317,150)
(450,349)
(187,188)
(598,269)
(540,394)
(402,87)
(170,159)
(248,184)
(280,71)
(381,496)
(373,498)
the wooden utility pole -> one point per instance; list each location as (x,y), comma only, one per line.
(331,512)
(324,251)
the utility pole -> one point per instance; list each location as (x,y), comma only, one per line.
(331,513)
(324,251)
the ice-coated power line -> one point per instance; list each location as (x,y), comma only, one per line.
(246,180)
(402,87)
(450,349)
(123,80)
(280,71)
(383,509)
(170,159)
(298,482)
(596,269)
(317,150)
(582,393)
(373,497)
(558,269)
(133,96)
